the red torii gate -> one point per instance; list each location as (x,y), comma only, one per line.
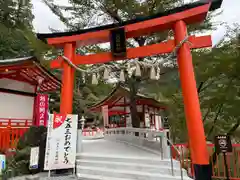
(176,19)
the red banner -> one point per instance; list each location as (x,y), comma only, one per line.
(41,110)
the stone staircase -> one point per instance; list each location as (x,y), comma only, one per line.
(138,165)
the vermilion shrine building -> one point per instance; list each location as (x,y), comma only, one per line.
(23,84)
(118,104)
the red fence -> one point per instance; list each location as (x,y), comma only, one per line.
(15,123)
(218,168)
(9,137)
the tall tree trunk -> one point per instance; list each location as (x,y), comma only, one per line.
(220,107)
(133,86)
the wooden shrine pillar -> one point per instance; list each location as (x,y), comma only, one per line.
(197,140)
(67,80)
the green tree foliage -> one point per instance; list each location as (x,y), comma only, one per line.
(15,27)
(19,163)
(218,85)
(16,13)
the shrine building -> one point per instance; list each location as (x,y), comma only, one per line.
(24,84)
(118,104)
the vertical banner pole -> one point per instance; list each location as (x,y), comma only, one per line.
(49,173)
(199,153)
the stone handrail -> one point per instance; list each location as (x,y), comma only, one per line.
(143,133)
(156,141)
(146,138)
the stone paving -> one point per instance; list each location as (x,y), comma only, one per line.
(44,176)
(104,147)
(101,147)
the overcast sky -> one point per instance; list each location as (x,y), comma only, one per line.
(44,18)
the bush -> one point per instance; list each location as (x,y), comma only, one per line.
(35,136)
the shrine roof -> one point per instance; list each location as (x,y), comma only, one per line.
(119,92)
(31,71)
(215,4)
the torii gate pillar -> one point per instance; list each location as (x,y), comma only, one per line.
(197,140)
(67,80)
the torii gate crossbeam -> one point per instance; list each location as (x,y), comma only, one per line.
(177,20)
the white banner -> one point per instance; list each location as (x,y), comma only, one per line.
(105,115)
(61,142)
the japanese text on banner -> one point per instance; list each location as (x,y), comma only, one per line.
(42,109)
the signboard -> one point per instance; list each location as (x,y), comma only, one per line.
(48,141)
(165,123)
(105,115)
(2,163)
(223,144)
(118,42)
(34,157)
(61,142)
(41,109)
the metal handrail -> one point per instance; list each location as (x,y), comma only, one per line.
(179,153)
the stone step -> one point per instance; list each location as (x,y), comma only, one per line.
(104,174)
(131,166)
(96,177)
(137,159)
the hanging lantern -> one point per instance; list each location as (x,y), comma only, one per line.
(122,76)
(106,74)
(152,73)
(94,79)
(158,73)
(138,70)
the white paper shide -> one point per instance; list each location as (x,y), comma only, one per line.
(61,142)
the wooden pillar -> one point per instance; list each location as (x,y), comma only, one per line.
(67,81)
(125,118)
(199,153)
(34,123)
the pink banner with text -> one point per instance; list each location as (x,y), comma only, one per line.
(41,109)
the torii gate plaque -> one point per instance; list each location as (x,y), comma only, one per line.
(177,20)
